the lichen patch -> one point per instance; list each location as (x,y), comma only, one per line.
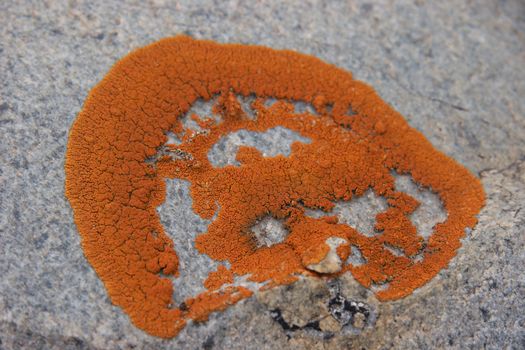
(134,132)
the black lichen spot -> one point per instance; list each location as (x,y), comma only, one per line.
(344,310)
(278,317)
(313,325)
(183,306)
(287,327)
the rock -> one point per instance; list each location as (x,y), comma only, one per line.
(331,263)
(359,321)
(329,324)
(302,303)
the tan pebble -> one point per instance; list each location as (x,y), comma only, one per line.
(359,321)
(329,324)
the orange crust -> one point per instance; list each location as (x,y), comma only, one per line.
(218,278)
(114,192)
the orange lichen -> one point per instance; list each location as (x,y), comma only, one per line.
(114,188)
(218,278)
(199,307)
(343,251)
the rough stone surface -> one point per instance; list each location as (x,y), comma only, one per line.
(454,69)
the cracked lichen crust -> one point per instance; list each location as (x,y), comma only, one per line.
(118,158)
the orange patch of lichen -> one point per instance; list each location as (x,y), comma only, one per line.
(114,190)
(201,306)
(343,251)
(218,278)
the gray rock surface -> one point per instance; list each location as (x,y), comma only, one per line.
(454,69)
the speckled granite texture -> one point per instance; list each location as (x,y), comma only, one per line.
(454,69)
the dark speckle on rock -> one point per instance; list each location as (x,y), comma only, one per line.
(485,314)
(3,107)
(208,344)
(367,7)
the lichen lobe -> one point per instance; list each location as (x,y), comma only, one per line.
(114,187)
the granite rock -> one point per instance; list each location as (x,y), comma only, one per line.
(454,69)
